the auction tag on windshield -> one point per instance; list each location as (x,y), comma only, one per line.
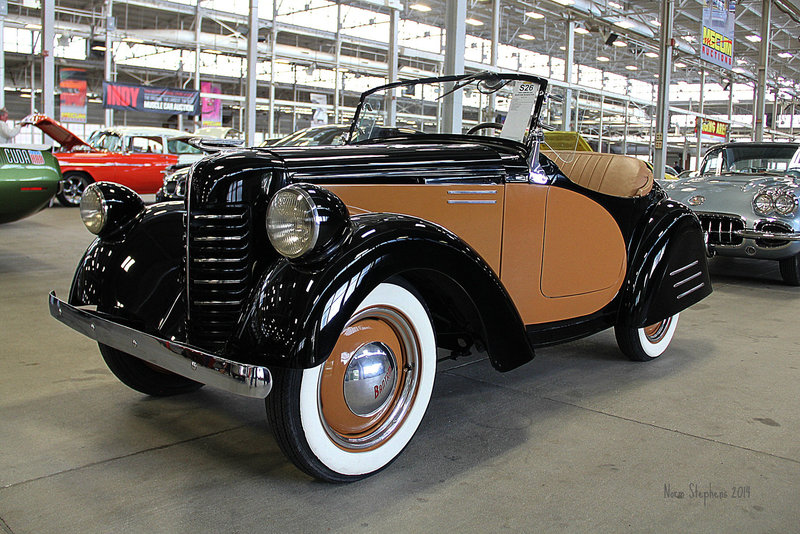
(520,110)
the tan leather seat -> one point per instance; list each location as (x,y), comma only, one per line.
(610,174)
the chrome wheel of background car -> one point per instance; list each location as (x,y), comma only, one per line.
(790,270)
(352,415)
(648,343)
(72,188)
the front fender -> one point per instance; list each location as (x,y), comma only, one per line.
(668,266)
(135,277)
(298,312)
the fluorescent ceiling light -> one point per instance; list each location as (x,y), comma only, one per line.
(615,5)
(534,15)
(603,59)
(99,48)
(132,40)
(651,54)
(679,65)
(211,51)
(655,22)
(474,22)
(785,55)
(753,38)
(581,30)
(526,37)
(619,43)
(562,47)
(420,7)
(564,2)
(631,67)
(33,27)
(625,24)
(689,38)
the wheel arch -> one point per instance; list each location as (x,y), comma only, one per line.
(298,325)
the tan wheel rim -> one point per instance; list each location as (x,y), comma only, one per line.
(657,331)
(392,330)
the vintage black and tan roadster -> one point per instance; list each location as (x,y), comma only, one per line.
(330,279)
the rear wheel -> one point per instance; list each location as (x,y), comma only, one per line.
(790,270)
(73,184)
(145,377)
(353,415)
(648,343)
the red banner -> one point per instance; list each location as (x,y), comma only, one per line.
(72,86)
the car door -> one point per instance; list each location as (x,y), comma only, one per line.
(563,255)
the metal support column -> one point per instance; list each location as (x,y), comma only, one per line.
(700,108)
(273,56)
(3,13)
(763,62)
(730,112)
(662,105)
(455,43)
(775,111)
(198,26)
(48,57)
(337,88)
(600,124)
(625,127)
(252,59)
(108,74)
(569,59)
(493,56)
(393,58)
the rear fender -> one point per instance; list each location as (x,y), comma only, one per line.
(668,270)
(298,311)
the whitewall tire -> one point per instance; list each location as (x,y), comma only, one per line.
(648,343)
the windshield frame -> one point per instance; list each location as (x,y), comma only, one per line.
(454,79)
(723,154)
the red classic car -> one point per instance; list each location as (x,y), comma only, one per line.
(132,156)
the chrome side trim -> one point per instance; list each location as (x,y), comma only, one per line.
(757,234)
(678,271)
(695,288)
(479,192)
(678,284)
(193,363)
(472,202)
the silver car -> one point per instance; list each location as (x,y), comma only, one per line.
(746,196)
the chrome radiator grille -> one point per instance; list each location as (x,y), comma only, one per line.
(721,228)
(218,272)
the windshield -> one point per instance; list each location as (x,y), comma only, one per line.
(315,136)
(505,106)
(105,141)
(749,159)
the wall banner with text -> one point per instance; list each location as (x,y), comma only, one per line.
(72,97)
(718,23)
(128,97)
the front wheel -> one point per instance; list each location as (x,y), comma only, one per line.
(145,377)
(790,270)
(352,415)
(648,343)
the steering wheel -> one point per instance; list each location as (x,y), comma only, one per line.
(485,126)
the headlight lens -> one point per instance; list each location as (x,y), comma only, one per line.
(785,204)
(94,211)
(292,223)
(763,204)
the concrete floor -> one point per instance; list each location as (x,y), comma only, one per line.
(579,440)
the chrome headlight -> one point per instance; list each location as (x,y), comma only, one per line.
(292,222)
(94,210)
(786,204)
(763,204)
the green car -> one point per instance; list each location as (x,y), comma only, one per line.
(29,178)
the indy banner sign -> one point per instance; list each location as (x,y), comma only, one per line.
(718,27)
(123,96)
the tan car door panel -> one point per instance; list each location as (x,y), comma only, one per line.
(563,254)
(472,212)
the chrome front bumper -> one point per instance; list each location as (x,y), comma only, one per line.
(240,378)
(778,236)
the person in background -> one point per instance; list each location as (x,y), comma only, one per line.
(7,133)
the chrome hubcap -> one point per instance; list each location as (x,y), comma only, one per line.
(370,379)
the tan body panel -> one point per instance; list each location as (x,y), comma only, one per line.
(573,267)
(472,212)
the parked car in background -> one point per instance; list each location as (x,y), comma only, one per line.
(746,196)
(132,156)
(174,184)
(327,278)
(29,177)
